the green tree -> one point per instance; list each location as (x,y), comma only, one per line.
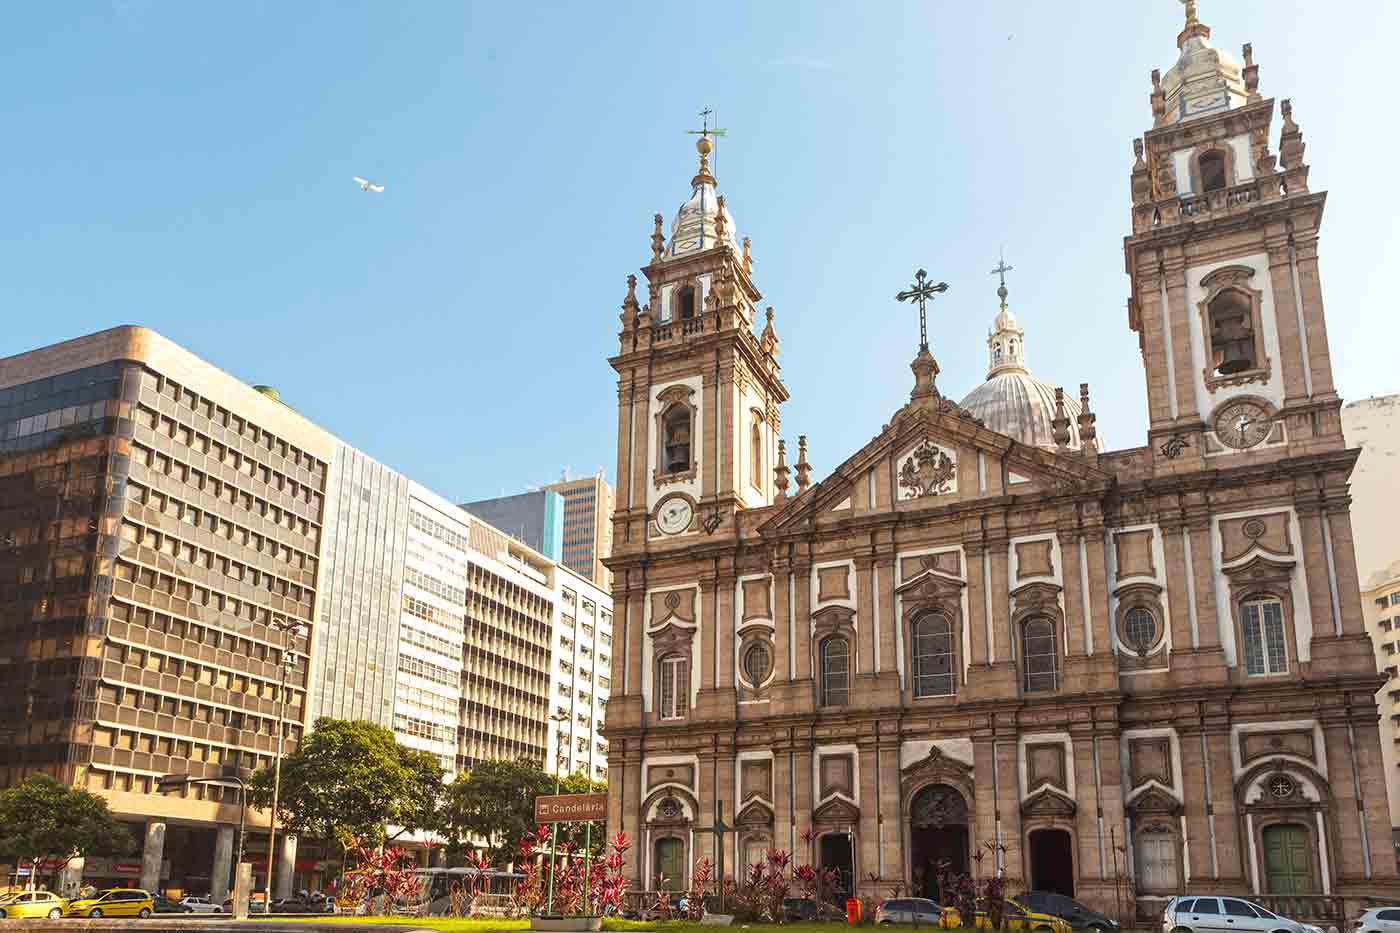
(494,801)
(348,781)
(43,820)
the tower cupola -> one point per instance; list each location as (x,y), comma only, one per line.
(703,221)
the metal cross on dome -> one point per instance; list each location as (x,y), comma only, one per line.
(921,291)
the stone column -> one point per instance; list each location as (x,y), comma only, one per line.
(866,623)
(708,655)
(887,620)
(805,803)
(222,871)
(1009,805)
(286,867)
(1001,603)
(1174,547)
(1310,284)
(1344,564)
(1074,600)
(867,852)
(1197,803)
(784,830)
(636,635)
(782,631)
(1094,554)
(1179,333)
(725,625)
(976,605)
(1154,339)
(1286,320)
(152,855)
(803,619)
(1310,519)
(1207,623)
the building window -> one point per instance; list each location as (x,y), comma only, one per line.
(835,671)
(676,445)
(756,451)
(1038,654)
(1213,167)
(1264,648)
(1231,317)
(685,303)
(933,657)
(758,663)
(674,688)
(1139,629)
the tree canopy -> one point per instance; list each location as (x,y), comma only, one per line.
(495,802)
(349,780)
(42,820)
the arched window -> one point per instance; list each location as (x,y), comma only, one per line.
(676,444)
(758,663)
(835,671)
(673,687)
(1232,333)
(996,355)
(1213,171)
(756,451)
(685,303)
(1265,651)
(933,657)
(1039,655)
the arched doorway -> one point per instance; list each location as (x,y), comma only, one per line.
(937,833)
(1052,861)
(834,851)
(1288,863)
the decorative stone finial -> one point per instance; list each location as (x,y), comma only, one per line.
(721,225)
(1159,99)
(1250,73)
(768,340)
(925,369)
(748,256)
(1087,431)
(658,242)
(1194,27)
(629,303)
(780,473)
(1290,151)
(1139,163)
(804,469)
(1060,423)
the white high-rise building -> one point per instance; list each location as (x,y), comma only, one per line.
(581,650)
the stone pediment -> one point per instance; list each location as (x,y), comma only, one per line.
(757,812)
(918,440)
(836,810)
(1154,800)
(1048,802)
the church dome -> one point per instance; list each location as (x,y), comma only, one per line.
(696,226)
(1012,401)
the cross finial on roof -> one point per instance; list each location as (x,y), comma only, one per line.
(921,291)
(1001,270)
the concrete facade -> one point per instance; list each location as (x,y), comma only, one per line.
(956,640)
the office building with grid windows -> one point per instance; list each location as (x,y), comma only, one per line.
(588,507)
(582,648)
(168,533)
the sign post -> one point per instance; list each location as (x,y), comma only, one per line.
(567,808)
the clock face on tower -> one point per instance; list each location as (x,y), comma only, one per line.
(674,515)
(1243,424)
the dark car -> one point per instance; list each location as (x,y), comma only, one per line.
(1078,915)
(804,909)
(164,905)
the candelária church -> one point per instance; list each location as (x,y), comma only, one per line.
(1139,670)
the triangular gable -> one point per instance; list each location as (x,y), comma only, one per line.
(946,424)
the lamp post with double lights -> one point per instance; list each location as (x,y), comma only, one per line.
(289,628)
(230,775)
(558,719)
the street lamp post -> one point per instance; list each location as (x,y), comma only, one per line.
(557,718)
(171,782)
(289,629)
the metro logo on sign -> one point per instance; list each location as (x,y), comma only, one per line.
(571,808)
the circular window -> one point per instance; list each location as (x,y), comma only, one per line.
(1139,629)
(1281,786)
(758,663)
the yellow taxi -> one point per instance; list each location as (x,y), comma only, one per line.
(1019,917)
(32,904)
(114,902)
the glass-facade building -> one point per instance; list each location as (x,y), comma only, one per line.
(533,518)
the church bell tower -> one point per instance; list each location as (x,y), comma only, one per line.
(698,389)
(1226,293)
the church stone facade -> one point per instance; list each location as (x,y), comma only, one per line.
(985,632)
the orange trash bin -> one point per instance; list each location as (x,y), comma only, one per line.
(852,910)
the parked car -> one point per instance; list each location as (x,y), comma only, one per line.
(164,905)
(804,909)
(1019,916)
(113,902)
(254,906)
(1379,920)
(1187,914)
(1079,916)
(917,910)
(201,904)
(32,904)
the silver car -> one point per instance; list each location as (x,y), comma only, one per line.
(1214,914)
(919,910)
(201,905)
(1379,920)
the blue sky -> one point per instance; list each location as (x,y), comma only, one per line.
(187,166)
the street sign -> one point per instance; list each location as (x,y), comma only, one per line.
(571,808)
